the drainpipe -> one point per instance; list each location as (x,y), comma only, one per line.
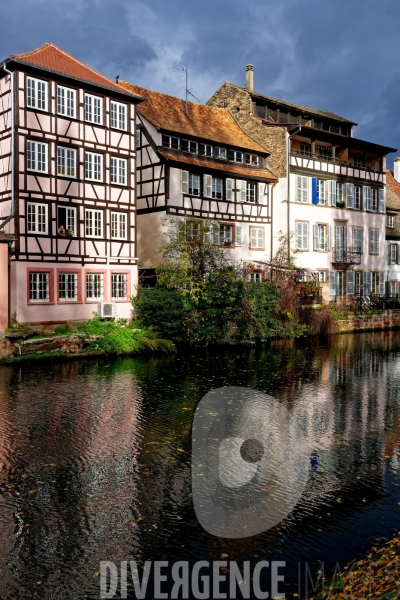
(12,148)
(289,148)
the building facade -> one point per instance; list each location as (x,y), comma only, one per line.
(393,229)
(331,189)
(195,162)
(67,187)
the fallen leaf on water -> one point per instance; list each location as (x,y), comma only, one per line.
(224,556)
(96,574)
(180,450)
(24,475)
(32,491)
(134,523)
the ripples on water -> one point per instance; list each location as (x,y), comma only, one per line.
(95,460)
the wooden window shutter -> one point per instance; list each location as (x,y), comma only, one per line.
(314,193)
(260,241)
(367,283)
(330,233)
(229,189)
(381,282)
(381,200)
(332,283)
(242,189)
(238,235)
(350,195)
(253,237)
(350,283)
(263,193)
(184,182)
(207,186)
(397,254)
(331,193)
(299,235)
(367,197)
(316,244)
(215,233)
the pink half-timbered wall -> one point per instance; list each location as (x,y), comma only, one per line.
(50,253)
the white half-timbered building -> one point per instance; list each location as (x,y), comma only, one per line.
(67,187)
(195,162)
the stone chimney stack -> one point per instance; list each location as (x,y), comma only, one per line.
(397,169)
(250,78)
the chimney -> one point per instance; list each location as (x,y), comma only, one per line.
(397,169)
(250,78)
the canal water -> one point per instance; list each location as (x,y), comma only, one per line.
(95,461)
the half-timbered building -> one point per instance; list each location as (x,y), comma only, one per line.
(67,187)
(393,229)
(195,162)
(331,190)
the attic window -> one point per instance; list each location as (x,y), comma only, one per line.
(283,116)
(335,128)
(220,153)
(189,146)
(390,220)
(168,141)
(317,124)
(293,118)
(260,111)
(271,114)
(235,156)
(251,159)
(206,149)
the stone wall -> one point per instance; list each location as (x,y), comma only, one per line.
(366,321)
(239,103)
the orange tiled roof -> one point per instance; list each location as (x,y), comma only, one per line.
(227,168)
(54,59)
(392,191)
(206,122)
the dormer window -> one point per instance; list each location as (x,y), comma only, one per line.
(189,146)
(251,159)
(390,220)
(169,141)
(220,153)
(206,149)
(235,156)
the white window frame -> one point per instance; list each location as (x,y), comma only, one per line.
(68,156)
(321,188)
(66,102)
(390,221)
(37,275)
(193,147)
(322,276)
(94,109)
(64,279)
(118,170)
(170,138)
(119,225)
(40,213)
(251,192)
(191,188)
(119,283)
(34,87)
(357,198)
(118,115)
(257,238)
(93,164)
(235,156)
(94,219)
(218,151)
(251,159)
(321,237)
(32,153)
(392,254)
(302,235)
(226,234)
(94,280)
(71,221)
(206,150)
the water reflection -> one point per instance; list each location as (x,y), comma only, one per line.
(95,459)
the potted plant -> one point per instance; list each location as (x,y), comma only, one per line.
(70,233)
(340,204)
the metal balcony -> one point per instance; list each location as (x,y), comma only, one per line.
(345,257)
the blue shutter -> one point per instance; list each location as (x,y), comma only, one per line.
(314,191)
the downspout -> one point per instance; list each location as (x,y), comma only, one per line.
(11,73)
(289,148)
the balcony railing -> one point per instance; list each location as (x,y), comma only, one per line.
(336,166)
(346,255)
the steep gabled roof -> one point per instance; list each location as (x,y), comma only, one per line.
(52,58)
(168,113)
(228,169)
(305,109)
(392,191)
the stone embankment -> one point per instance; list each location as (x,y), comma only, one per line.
(13,344)
(368,321)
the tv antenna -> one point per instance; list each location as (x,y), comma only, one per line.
(188,90)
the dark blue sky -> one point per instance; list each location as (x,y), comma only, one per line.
(340,55)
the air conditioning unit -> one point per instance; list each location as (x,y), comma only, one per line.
(106,310)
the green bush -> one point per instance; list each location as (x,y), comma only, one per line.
(164,310)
